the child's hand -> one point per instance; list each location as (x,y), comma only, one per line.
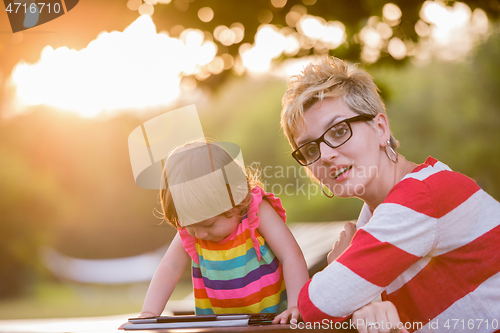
(290,313)
(142,315)
(343,243)
(122,325)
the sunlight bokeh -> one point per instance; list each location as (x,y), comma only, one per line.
(140,67)
(272,42)
(453,29)
(445,32)
(133,69)
(269,44)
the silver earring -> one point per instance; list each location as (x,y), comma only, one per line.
(395,158)
(322,189)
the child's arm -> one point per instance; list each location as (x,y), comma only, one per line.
(165,278)
(286,249)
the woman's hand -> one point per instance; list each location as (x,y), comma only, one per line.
(378,317)
(343,243)
(291,313)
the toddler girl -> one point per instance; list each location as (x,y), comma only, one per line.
(243,255)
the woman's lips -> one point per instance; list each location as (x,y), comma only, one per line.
(342,173)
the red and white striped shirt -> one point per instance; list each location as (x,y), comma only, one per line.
(432,248)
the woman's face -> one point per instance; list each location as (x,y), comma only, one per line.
(350,169)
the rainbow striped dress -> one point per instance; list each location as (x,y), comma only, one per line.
(240,274)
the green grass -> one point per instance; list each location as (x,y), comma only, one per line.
(59,300)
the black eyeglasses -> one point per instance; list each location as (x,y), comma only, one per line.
(334,137)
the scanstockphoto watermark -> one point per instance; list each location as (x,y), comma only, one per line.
(294,180)
(295,187)
(327,324)
(293,171)
(26,14)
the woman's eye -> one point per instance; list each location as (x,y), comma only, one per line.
(311,150)
(340,132)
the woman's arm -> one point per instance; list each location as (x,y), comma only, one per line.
(283,244)
(395,238)
(165,278)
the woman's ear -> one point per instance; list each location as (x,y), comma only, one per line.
(381,124)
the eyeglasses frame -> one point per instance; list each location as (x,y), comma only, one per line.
(348,121)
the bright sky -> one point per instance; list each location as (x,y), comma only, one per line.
(132,69)
(140,67)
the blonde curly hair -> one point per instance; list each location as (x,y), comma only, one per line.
(186,163)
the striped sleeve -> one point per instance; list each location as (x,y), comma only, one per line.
(395,238)
(360,274)
(401,231)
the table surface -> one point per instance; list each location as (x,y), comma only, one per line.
(260,329)
(110,325)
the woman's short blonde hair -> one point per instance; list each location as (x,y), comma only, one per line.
(330,78)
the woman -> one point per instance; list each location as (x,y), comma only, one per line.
(427,239)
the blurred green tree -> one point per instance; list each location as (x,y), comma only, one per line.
(67,181)
(400,18)
(27,204)
(450,111)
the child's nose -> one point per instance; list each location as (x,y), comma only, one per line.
(201,233)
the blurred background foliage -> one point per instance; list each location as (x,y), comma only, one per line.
(66,181)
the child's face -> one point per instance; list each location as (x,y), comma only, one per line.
(214,229)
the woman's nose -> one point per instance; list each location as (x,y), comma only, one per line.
(327,153)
